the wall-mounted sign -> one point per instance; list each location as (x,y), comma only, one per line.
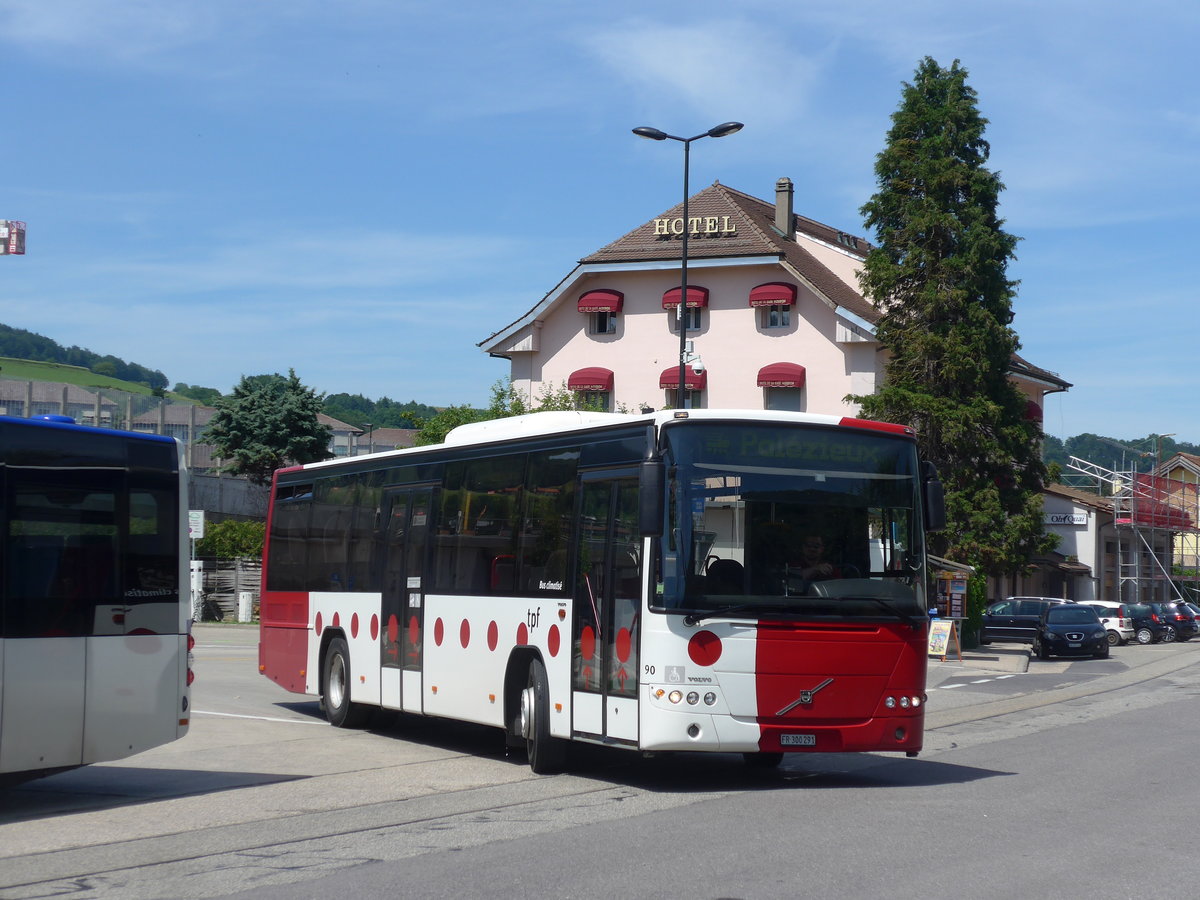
(698,226)
(12,237)
(1065,519)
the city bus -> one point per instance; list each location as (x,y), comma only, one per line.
(636,581)
(94,597)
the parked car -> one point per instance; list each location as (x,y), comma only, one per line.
(1014,618)
(1178,617)
(1148,626)
(1071,629)
(1115,619)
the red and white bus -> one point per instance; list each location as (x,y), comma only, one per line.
(635,581)
(94,600)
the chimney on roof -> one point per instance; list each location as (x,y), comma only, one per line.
(785,220)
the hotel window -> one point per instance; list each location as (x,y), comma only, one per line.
(776,316)
(790,399)
(691,318)
(604,323)
(601,400)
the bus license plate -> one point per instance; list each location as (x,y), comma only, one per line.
(798,740)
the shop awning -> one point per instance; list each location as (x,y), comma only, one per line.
(774,293)
(694,381)
(697,296)
(591,379)
(1066,564)
(601,301)
(781,374)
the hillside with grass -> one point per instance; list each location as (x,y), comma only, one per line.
(28,370)
(17,344)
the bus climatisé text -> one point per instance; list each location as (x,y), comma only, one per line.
(646,582)
(94,604)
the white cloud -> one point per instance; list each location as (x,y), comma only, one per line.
(718,67)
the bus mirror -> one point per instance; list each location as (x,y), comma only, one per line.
(935,499)
(651,482)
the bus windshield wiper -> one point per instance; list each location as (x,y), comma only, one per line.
(695,618)
(898,613)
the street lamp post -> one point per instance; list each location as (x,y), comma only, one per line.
(370,429)
(654,134)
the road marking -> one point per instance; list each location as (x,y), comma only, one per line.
(205,712)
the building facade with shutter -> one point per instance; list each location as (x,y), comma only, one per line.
(773,314)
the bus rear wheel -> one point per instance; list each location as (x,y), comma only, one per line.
(340,712)
(546,754)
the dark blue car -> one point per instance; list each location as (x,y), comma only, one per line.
(1070,629)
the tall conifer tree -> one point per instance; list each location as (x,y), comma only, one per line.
(939,278)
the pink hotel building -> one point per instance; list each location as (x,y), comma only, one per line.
(773,312)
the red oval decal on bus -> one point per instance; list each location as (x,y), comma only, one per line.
(464,633)
(552,640)
(704,648)
(624,644)
(493,635)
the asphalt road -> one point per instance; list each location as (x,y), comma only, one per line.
(1019,790)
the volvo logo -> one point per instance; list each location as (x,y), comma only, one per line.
(805,698)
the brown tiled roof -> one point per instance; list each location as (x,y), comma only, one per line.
(1085,498)
(177,414)
(753,222)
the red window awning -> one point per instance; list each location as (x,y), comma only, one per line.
(697,297)
(781,374)
(694,381)
(591,379)
(601,301)
(775,293)
(1033,412)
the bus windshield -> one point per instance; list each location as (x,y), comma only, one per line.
(778,519)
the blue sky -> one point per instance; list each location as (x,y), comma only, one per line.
(362,190)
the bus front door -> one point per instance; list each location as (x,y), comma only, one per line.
(403,545)
(607,601)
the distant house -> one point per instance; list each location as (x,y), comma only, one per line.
(25,399)
(377,440)
(1181,484)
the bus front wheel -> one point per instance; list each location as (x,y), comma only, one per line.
(340,712)
(546,754)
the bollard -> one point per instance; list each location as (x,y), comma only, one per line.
(245,605)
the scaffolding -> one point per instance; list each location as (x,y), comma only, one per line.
(1156,533)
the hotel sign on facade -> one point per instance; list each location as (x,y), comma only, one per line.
(699,225)
(1065,518)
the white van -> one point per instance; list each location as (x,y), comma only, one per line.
(1116,619)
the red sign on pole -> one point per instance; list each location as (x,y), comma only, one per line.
(12,237)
